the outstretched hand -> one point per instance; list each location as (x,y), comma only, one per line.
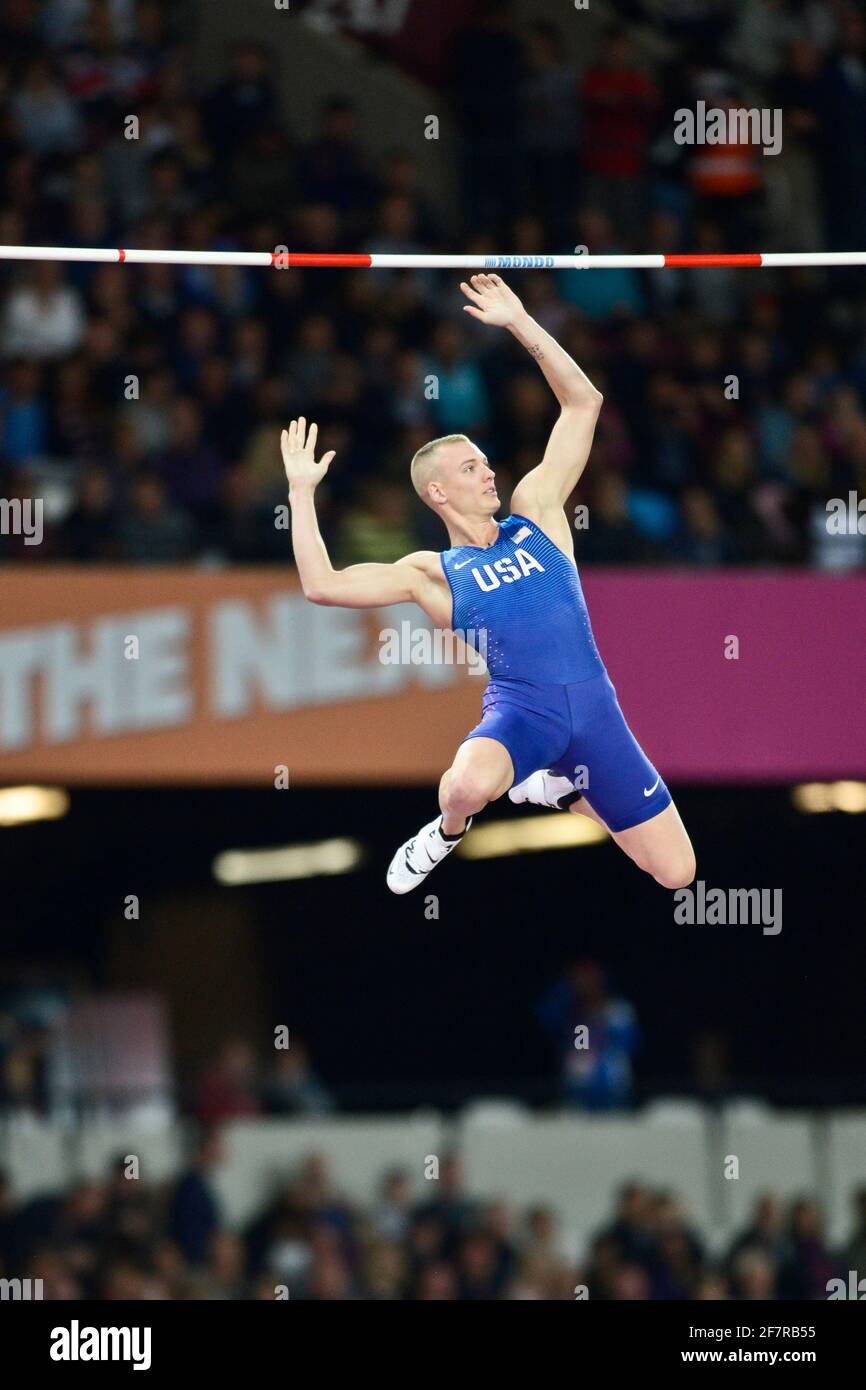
(492,301)
(298,447)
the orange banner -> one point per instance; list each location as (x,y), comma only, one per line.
(172,675)
(179,675)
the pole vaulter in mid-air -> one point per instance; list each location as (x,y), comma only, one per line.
(550,716)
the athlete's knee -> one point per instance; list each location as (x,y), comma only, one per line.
(678,869)
(466,790)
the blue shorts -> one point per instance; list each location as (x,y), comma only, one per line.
(579,732)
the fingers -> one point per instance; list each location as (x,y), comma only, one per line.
(479,284)
(476,313)
(326,458)
(471,292)
(296,438)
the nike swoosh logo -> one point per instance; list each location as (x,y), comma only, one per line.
(462,563)
(648,791)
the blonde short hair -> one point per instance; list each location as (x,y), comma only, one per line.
(423,467)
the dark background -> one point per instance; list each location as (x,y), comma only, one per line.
(399,1010)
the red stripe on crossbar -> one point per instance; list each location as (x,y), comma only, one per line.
(298,258)
(121,255)
(755,259)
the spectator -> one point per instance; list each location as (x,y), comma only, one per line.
(293,1087)
(754,1277)
(42,319)
(391,1217)
(244,103)
(809,1267)
(459,402)
(764,1234)
(632,1232)
(88,531)
(726,176)
(702,539)
(248,530)
(333,169)
(488,101)
(595,1036)
(619,291)
(78,422)
(194,1212)
(550,130)
(46,121)
(843,163)
(610,537)
(379,528)
(153,531)
(448,1207)
(224,1276)
(23,414)
(229,1088)
(477,1263)
(190,470)
(620,104)
(385,1273)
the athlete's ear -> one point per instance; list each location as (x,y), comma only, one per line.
(436,494)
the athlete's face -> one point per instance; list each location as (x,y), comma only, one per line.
(468,481)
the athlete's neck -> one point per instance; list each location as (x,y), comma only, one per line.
(463,530)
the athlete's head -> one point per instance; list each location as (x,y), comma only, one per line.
(452,474)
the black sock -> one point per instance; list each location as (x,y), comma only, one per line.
(460,833)
(568,800)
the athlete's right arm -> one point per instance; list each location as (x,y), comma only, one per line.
(358,586)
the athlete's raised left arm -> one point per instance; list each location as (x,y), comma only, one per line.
(552,481)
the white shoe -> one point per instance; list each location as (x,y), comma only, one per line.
(545,788)
(415,860)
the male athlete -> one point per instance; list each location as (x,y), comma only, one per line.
(550,722)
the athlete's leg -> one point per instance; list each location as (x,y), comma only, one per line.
(521,728)
(660,846)
(583,808)
(481,771)
(623,791)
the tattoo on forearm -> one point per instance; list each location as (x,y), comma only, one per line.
(536,352)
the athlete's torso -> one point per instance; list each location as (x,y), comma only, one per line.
(520,603)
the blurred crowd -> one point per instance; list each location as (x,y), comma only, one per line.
(593,1035)
(592,1032)
(144,405)
(122,1238)
(234,1086)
